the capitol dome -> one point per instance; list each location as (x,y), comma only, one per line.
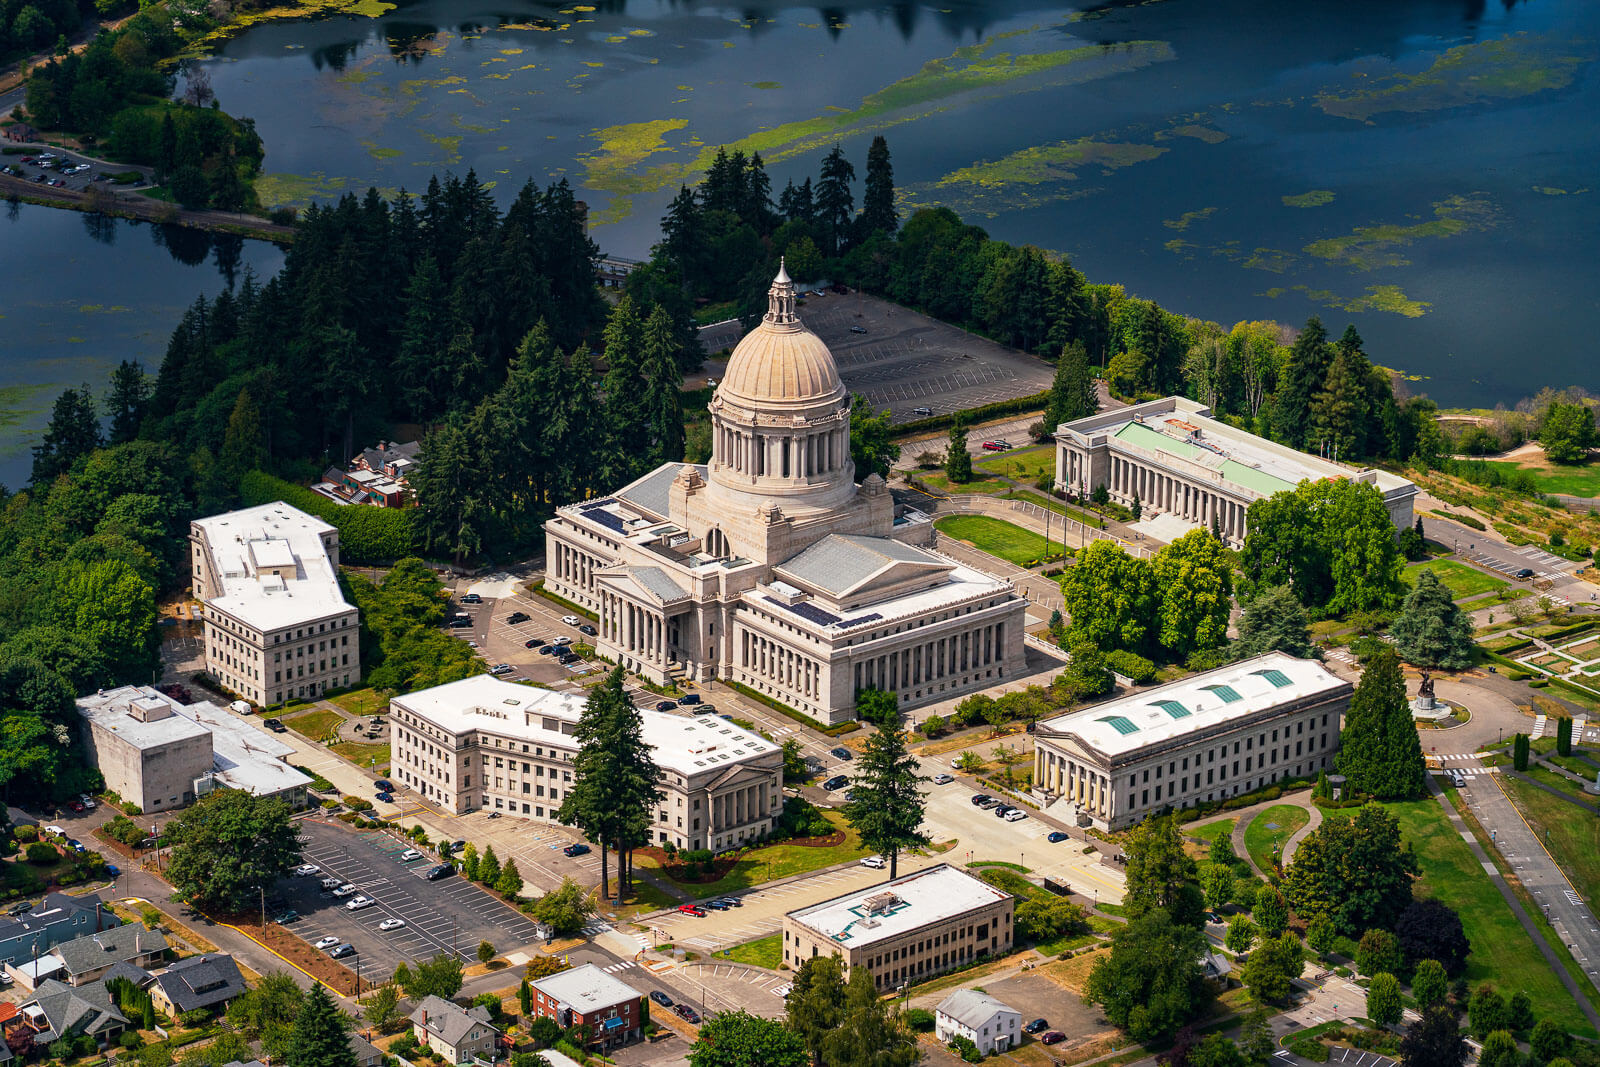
(781,364)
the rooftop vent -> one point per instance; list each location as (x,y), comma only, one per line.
(881,903)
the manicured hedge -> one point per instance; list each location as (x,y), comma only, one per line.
(366,534)
(977,414)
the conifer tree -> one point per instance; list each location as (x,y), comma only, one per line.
(877,203)
(835,201)
(868,1035)
(73,432)
(887,811)
(1379,750)
(1431,631)
(1274,621)
(489,867)
(662,406)
(1072,391)
(957,460)
(243,443)
(1305,375)
(320,1033)
(127,401)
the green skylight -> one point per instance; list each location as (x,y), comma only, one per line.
(1276,677)
(1173,708)
(1120,723)
(1228,694)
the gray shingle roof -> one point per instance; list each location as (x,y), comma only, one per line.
(86,1009)
(840,562)
(971,1008)
(93,951)
(449,1022)
(54,908)
(201,981)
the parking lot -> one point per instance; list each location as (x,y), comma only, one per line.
(61,170)
(451,915)
(905,360)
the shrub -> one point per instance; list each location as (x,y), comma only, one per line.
(1135,668)
(1309,1048)
(920,1019)
(41,853)
(25,833)
(125,831)
(964,1047)
(357,803)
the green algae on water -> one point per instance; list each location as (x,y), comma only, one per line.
(1504,69)
(765,85)
(279,189)
(1314,198)
(1370,247)
(1199,133)
(1189,218)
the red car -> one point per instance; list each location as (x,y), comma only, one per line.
(997,446)
(75,807)
(693,909)
(1052,1037)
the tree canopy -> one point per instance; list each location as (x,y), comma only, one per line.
(228,845)
(888,806)
(1356,871)
(1430,630)
(1330,541)
(739,1039)
(1379,751)
(1151,982)
(1161,875)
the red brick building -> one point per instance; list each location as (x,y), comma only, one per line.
(589,996)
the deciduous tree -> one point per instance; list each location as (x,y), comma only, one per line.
(1499,1050)
(739,1039)
(1111,598)
(1430,929)
(1383,999)
(1161,875)
(1151,982)
(1430,984)
(871,446)
(1357,871)
(228,845)
(1272,967)
(1194,581)
(1567,432)
(565,909)
(1434,1040)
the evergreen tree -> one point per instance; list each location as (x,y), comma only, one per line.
(509,884)
(1274,621)
(125,404)
(489,867)
(244,443)
(835,203)
(887,811)
(623,415)
(1072,391)
(1431,631)
(877,203)
(868,1035)
(1340,410)
(662,405)
(683,236)
(451,515)
(320,1037)
(1304,377)
(424,371)
(1380,753)
(957,460)
(796,203)
(73,433)
(1160,874)
(816,1002)
(1519,752)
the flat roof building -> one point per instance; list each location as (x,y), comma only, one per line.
(277,625)
(588,996)
(1207,737)
(915,926)
(1177,460)
(161,754)
(485,744)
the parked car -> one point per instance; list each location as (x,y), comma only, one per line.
(989,802)
(518,616)
(385,796)
(409,855)
(571,620)
(666,705)
(841,753)
(305,870)
(732,902)
(547,650)
(75,845)
(689,698)
(693,909)
(858,329)
(1035,1026)
(877,863)
(590,630)
(1016,815)
(275,725)
(284,918)
(326,942)
(345,890)
(922,411)
(979,798)
(501,668)
(717,905)
(943,779)
(75,807)
(560,641)
(660,998)
(1055,836)
(113,870)
(383,783)
(997,446)
(1524,572)
(21,908)
(360,902)
(342,951)
(87,801)
(535,643)
(472,598)
(576,849)
(838,781)
(441,870)
(331,883)
(687,1014)
(55,831)
(391,924)
(1052,1037)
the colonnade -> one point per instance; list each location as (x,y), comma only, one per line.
(782,455)
(1165,492)
(781,665)
(573,567)
(634,630)
(1087,786)
(932,660)
(733,809)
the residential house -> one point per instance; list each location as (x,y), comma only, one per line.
(90,958)
(378,476)
(59,1010)
(458,1034)
(978,1017)
(367,1054)
(58,918)
(588,996)
(208,981)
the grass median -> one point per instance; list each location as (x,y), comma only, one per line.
(997,537)
(318,725)
(782,860)
(1462,581)
(1269,831)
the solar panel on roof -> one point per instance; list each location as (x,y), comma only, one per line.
(591,505)
(805,611)
(874,617)
(609,520)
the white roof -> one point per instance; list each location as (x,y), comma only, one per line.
(1149,716)
(250,551)
(112,710)
(586,988)
(243,757)
(682,744)
(972,1008)
(918,900)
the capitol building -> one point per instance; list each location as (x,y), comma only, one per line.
(770,566)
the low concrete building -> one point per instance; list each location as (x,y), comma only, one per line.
(1177,460)
(458,1034)
(485,744)
(588,996)
(1203,739)
(990,1025)
(57,918)
(162,754)
(208,981)
(277,625)
(912,928)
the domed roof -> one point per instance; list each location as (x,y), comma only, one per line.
(780,362)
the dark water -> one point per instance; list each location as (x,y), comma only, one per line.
(84,292)
(1441,159)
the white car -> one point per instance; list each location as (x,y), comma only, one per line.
(345,890)
(570,620)
(560,641)
(877,863)
(1016,815)
(326,942)
(391,924)
(360,902)
(55,831)
(306,869)
(410,854)
(87,801)
(943,779)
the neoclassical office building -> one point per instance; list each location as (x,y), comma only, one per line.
(1202,739)
(770,566)
(1177,460)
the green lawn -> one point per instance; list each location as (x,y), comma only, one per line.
(978,484)
(762,952)
(362,754)
(997,537)
(1460,579)
(1259,837)
(361,702)
(1048,503)
(780,861)
(1212,830)
(1558,782)
(1581,480)
(1572,836)
(1500,950)
(1026,465)
(316,725)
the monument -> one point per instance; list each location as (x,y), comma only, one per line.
(1426,706)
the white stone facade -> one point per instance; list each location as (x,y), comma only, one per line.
(769,566)
(277,626)
(1175,459)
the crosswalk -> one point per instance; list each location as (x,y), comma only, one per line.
(1339,655)
(616,967)
(595,927)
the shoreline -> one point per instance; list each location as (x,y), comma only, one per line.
(144,209)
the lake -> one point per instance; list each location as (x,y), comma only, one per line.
(85,292)
(1423,169)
